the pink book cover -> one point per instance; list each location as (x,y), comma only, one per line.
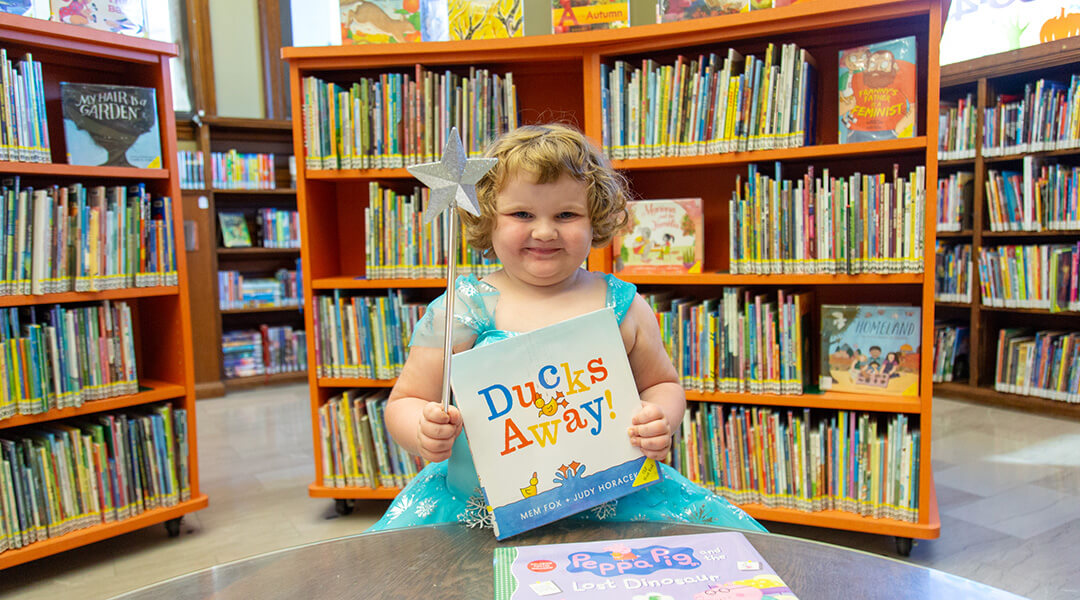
(661,237)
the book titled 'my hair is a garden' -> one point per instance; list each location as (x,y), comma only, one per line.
(111,125)
(546,415)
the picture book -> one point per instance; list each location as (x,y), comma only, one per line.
(681,10)
(380,21)
(234,230)
(119,16)
(26,8)
(662,236)
(485,19)
(870,349)
(111,125)
(546,415)
(703,566)
(586,15)
(878,91)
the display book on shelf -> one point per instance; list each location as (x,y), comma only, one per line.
(1018,242)
(144,390)
(568,84)
(250,234)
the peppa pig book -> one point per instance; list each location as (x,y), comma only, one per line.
(546,414)
(703,566)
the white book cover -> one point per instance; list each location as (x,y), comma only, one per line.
(546,414)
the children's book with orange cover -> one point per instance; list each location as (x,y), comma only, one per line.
(586,15)
(546,415)
(661,237)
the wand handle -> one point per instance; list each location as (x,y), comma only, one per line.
(451,294)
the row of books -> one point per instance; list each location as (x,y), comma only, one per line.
(233,170)
(742,342)
(63,356)
(1040,364)
(400,245)
(855,224)
(1045,117)
(24,128)
(808,460)
(957,128)
(192,175)
(357,450)
(1033,276)
(268,350)
(363,336)
(1041,198)
(710,105)
(69,475)
(398,119)
(73,238)
(952,273)
(950,352)
(278,228)
(954,195)
(237,291)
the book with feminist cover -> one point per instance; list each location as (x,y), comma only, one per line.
(546,414)
(878,94)
(682,567)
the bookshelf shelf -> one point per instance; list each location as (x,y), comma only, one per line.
(120,294)
(988,395)
(560,75)
(259,309)
(258,251)
(160,316)
(273,192)
(1027,311)
(155,391)
(956,162)
(1032,234)
(1017,157)
(242,383)
(357,493)
(82,537)
(953,304)
(955,234)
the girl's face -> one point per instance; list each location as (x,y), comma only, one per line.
(543,232)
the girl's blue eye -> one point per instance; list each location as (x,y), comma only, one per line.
(521,215)
(567,215)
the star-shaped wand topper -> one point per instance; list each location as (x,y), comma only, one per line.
(453,179)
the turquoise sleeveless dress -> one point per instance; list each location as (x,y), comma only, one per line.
(449,491)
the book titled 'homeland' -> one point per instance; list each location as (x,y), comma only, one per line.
(870,349)
(546,415)
(111,125)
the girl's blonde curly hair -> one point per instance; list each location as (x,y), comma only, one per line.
(548,152)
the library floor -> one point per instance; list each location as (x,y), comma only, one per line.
(1008,486)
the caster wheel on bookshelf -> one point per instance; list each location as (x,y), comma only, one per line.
(903,546)
(173,526)
(344,506)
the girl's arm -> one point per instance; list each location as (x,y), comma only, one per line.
(663,399)
(414,415)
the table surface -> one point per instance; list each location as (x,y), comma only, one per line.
(447,562)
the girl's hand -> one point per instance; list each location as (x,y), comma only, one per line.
(437,431)
(650,432)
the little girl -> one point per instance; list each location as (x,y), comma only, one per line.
(550,199)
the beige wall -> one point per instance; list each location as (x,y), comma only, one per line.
(238,83)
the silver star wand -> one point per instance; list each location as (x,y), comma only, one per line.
(453,184)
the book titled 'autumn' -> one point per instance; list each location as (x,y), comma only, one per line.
(546,415)
(111,125)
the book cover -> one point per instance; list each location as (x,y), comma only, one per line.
(586,15)
(111,125)
(878,91)
(662,236)
(870,349)
(546,415)
(681,10)
(702,566)
(26,8)
(380,21)
(234,230)
(485,19)
(119,16)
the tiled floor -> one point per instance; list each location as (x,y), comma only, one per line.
(1008,487)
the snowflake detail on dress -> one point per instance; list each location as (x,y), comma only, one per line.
(424,507)
(476,514)
(604,511)
(698,513)
(403,504)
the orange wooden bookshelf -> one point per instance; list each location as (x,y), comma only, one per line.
(560,75)
(161,315)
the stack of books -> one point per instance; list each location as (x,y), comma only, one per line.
(363,336)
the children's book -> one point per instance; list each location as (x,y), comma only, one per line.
(234,230)
(681,10)
(26,8)
(878,92)
(380,21)
(485,19)
(680,567)
(546,414)
(111,125)
(870,349)
(119,16)
(662,236)
(586,15)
